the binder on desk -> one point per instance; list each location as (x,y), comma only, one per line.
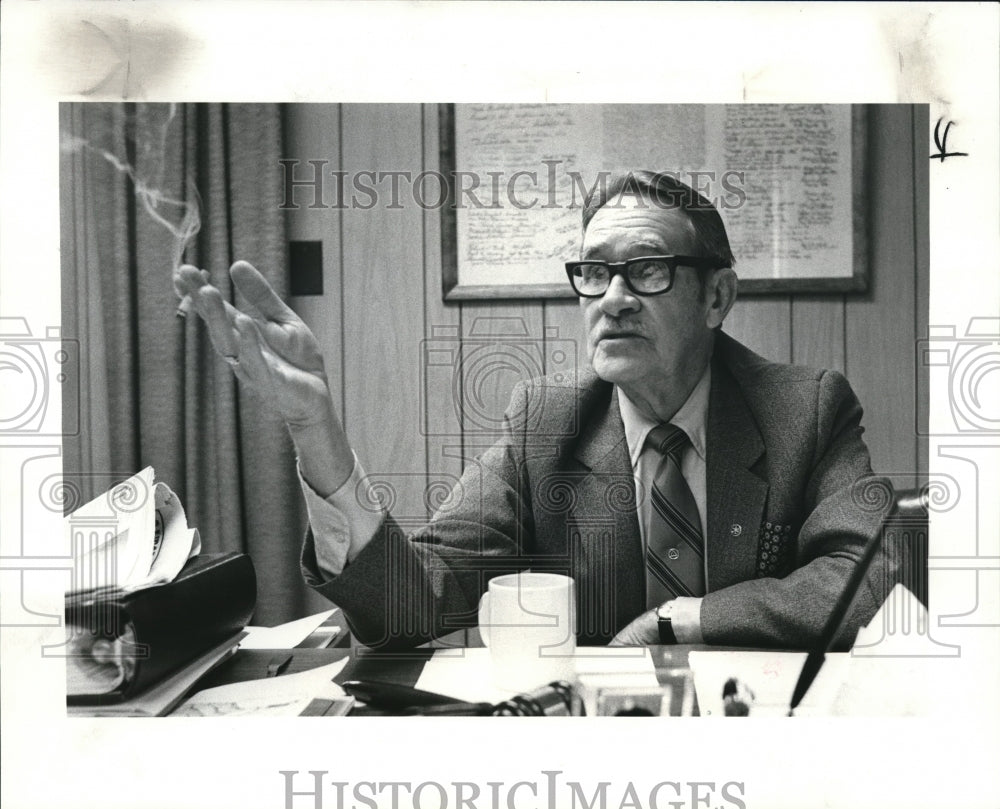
(162,697)
(121,644)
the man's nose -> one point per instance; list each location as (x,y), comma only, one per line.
(619,298)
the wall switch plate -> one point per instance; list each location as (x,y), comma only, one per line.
(306,267)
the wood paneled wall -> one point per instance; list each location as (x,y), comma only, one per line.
(412,423)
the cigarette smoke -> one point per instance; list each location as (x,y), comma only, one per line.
(180,217)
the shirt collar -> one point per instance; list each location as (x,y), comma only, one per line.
(690,418)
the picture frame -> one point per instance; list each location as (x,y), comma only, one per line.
(804,253)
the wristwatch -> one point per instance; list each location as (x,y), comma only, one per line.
(665,623)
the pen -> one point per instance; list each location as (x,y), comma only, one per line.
(814,661)
(456,709)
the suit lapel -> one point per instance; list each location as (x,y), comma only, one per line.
(606,500)
(735,495)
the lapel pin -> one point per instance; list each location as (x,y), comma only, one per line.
(735,529)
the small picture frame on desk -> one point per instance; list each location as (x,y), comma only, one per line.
(673,697)
(633,702)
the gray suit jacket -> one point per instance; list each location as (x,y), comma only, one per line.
(790,495)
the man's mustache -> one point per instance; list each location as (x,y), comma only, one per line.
(618,329)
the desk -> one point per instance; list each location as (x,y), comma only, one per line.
(402,668)
(902,677)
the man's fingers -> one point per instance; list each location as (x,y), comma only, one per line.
(254,287)
(251,358)
(219,318)
(188,279)
(210,305)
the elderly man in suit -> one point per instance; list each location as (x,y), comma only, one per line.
(695,491)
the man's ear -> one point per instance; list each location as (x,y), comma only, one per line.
(720,295)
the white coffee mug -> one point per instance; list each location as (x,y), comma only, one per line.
(528,621)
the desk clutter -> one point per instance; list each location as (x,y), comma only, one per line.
(150,620)
(120,646)
(604,679)
(306,693)
(147,614)
(558,698)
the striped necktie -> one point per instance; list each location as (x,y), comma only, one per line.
(675,554)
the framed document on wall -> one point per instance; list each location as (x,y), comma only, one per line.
(788,179)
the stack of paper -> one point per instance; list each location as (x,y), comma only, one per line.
(288,695)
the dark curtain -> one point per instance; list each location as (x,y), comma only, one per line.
(153,392)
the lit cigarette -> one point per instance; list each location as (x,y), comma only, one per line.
(186,303)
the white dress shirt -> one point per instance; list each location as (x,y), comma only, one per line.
(345,522)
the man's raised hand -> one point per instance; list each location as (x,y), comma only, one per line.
(268,347)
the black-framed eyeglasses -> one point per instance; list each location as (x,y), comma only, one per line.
(645,275)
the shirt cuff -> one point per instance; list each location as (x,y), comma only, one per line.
(343,523)
(685,620)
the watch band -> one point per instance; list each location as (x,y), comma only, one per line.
(664,623)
